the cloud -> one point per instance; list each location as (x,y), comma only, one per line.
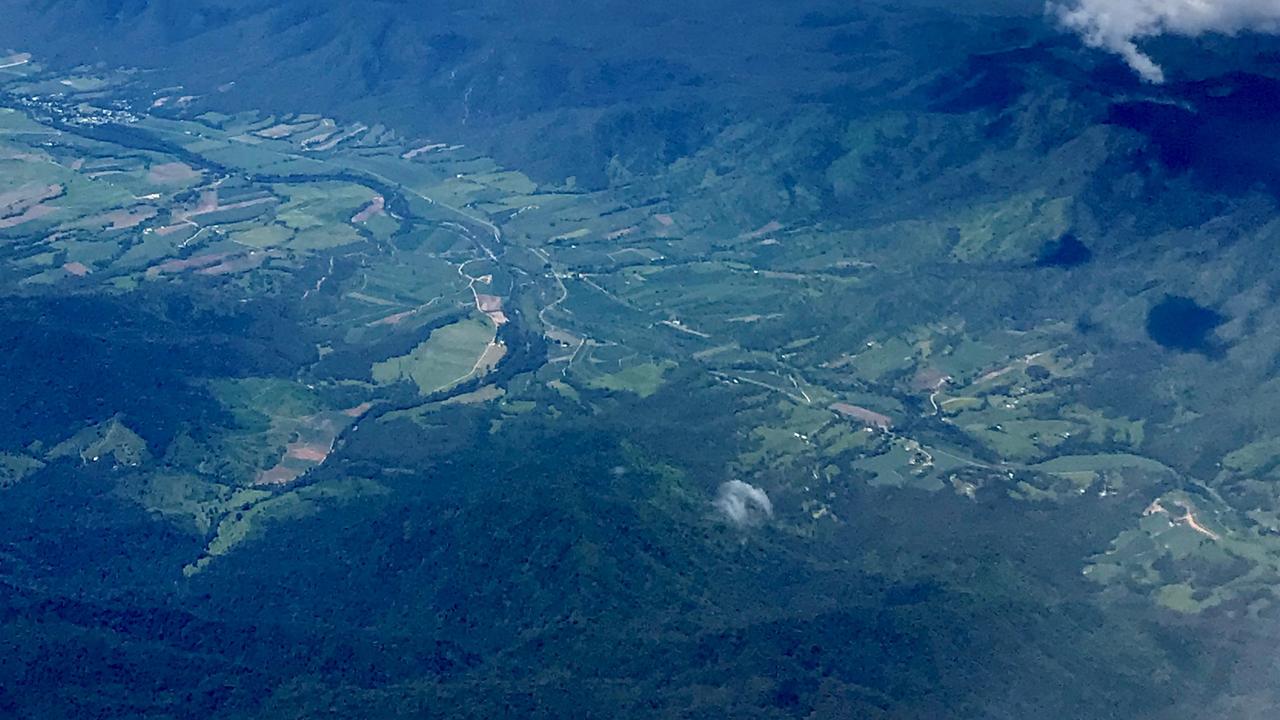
(743,504)
(1117,25)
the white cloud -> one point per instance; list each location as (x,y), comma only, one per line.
(1117,25)
(743,504)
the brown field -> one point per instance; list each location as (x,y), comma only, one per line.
(491,305)
(131,217)
(393,319)
(16,201)
(76,268)
(358,410)
(34,212)
(376,206)
(171,229)
(122,219)
(311,452)
(208,203)
(278,475)
(248,261)
(201,210)
(929,379)
(870,418)
(318,433)
(177,266)
(1189,517)
(772,226)
(8,154)
(172,173)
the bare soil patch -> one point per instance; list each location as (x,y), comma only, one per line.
(124,218)
(177,266)
(172,173)
(393,319)
(870,418)
(76,268)
(248,261)
(35,212)
(311,452)
(14,202)
(376,206)
(491,305)
(772,226)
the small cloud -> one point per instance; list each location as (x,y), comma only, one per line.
(1117,25)
(743,504)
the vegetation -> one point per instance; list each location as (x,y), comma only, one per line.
(321,416)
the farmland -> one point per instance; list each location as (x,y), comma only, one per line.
(407,257)
(266,332)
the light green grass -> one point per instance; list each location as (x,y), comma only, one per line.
(444,360)
(643,379)
(106,440)
(13,468)
(241,527)
(264,236)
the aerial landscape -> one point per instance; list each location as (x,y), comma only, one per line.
(888,359)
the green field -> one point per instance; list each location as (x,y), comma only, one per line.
(445,359)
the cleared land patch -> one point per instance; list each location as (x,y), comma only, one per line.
(452,354)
